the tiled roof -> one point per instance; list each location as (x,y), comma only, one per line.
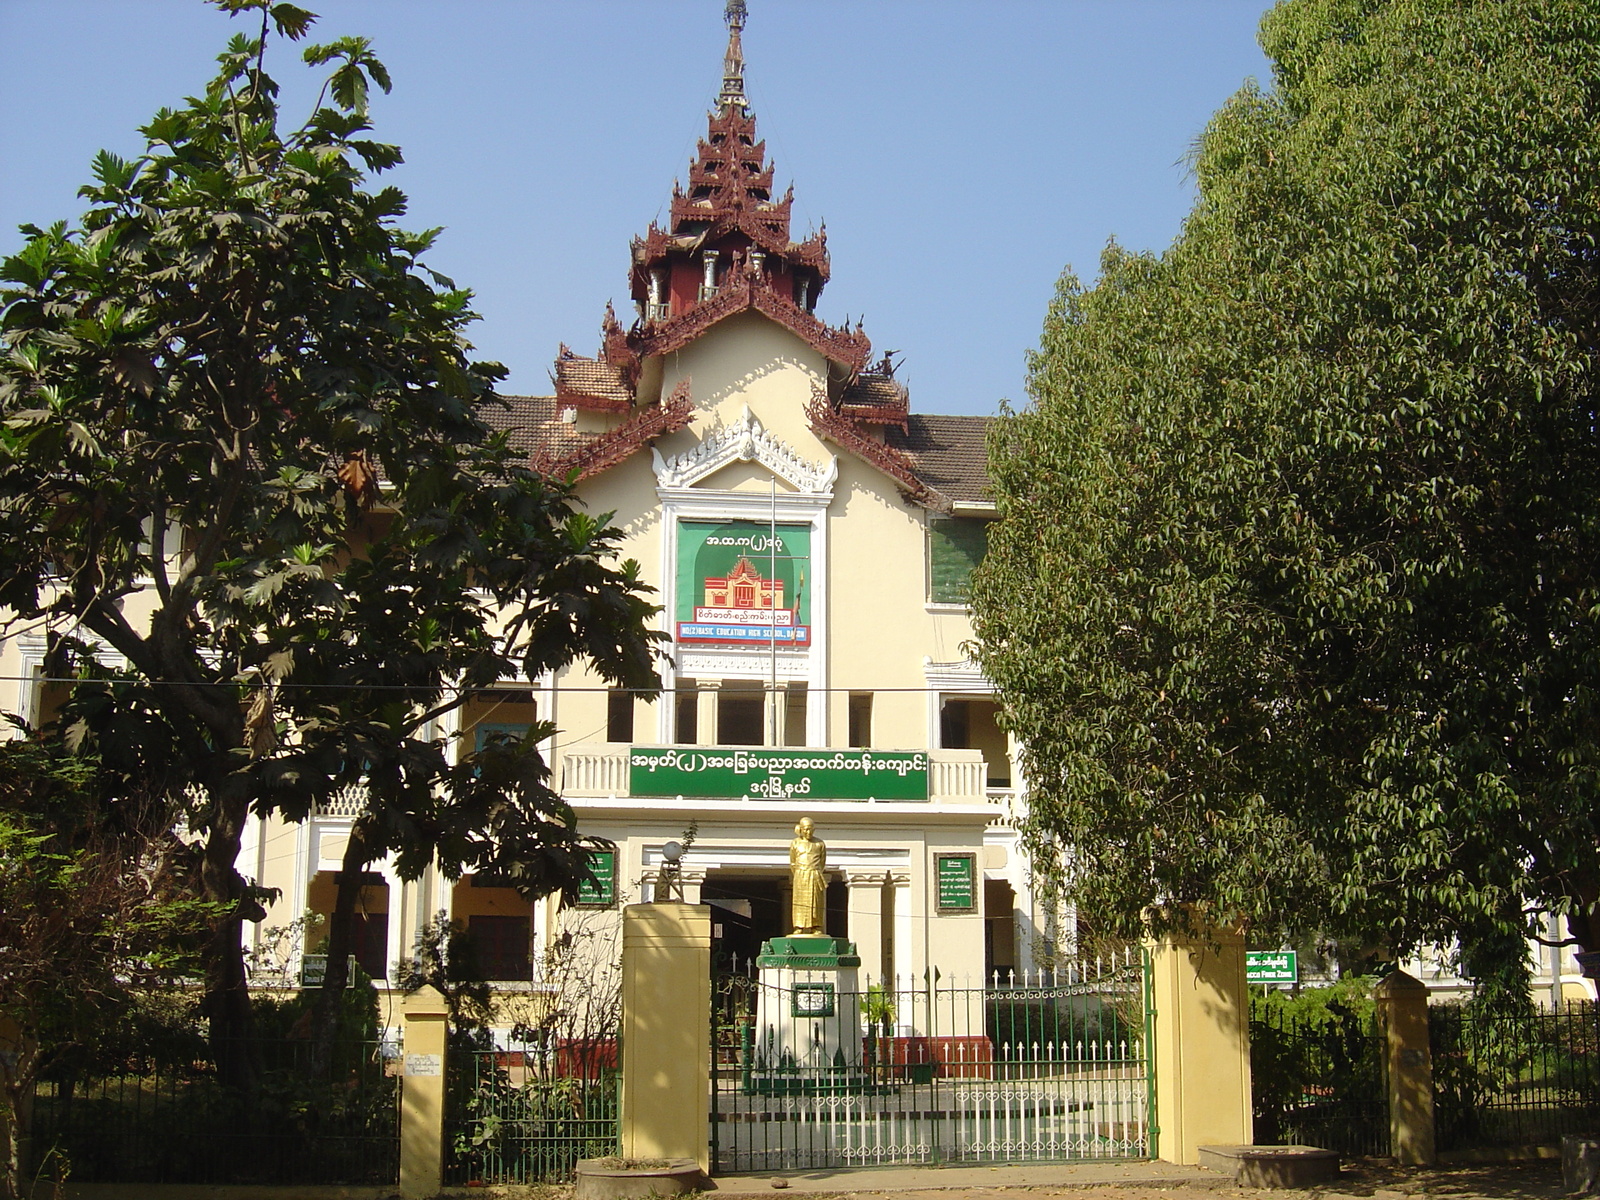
(582,378)
(875,393)
(534,425)
(949,454)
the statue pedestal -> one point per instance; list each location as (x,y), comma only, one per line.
(808,1016)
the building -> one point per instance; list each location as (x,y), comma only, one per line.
(810,538)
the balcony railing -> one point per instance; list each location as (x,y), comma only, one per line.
(601,770)
(347,802)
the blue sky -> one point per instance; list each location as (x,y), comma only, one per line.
(961,153)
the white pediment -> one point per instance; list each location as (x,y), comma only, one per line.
(745,441)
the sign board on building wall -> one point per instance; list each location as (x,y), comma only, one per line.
(1271,966)
(955,879)
(601,891)
(314,969)
(743,583)
(761,773)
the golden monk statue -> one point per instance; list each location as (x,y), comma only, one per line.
(807,859)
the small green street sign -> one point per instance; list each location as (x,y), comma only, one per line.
(314,969)
(1271,966)
(956,882)
(763,773)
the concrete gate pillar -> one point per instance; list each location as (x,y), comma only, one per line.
(1201,1056)
(1403,1017)
(422,1094)
(666,1032)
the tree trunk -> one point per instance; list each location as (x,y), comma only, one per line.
(227,997)
(325,1021)
(17,1083)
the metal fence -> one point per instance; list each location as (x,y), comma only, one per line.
(1318,1078)
(528,1113)
(168,1119)
(808,1074)
(1520,1079)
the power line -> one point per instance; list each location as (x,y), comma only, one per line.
(486,692)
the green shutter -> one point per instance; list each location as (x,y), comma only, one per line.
(955,547)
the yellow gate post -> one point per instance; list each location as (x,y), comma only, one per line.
(422,1094)
(666,1032)
(1403,1017)
(1202,1044)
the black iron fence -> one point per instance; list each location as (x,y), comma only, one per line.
(1318,1078)
(1518,1079)
(167,1118)
(528,1113)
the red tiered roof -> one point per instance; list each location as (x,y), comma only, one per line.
(727,222)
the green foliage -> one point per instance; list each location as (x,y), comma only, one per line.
(1315,1069)
(233,395)
(1294,601)
(92,914)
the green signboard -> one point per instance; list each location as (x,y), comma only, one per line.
(314,969)
(760,773)
(743,583)
(956,882)
(1271,966)
(601,892)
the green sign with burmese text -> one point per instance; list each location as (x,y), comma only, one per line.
(761,773)
(956,881)
(1271,966)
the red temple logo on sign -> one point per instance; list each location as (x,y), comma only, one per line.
(744,607)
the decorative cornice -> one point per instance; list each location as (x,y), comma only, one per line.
(828,423)
(747,440)
(609,449)
(849,348)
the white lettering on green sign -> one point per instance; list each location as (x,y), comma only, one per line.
(955,877)
(1271,966)
(771,774)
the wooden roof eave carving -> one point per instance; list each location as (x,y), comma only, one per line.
(849,348)
(626,440)
(829,424)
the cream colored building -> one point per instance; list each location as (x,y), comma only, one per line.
(809,537)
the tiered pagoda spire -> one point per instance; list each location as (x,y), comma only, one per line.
(727,250)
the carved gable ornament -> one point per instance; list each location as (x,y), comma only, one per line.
(745,441)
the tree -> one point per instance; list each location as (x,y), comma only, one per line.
(91,911)
(247,485)
(1294,603)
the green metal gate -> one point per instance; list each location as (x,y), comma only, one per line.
(1047,1065)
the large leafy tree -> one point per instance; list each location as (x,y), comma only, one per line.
(1296,599)
(247,487)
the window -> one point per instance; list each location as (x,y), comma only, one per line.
(973,724)
(955,547)
(501,946)
(369,938)
(954,725)
(861,718)
(619,715)
(687,712)
(739,717)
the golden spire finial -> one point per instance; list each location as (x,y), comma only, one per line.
(733,62)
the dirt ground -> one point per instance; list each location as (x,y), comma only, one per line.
(1501,1181)
(1538,1179)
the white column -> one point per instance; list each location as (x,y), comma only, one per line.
(706,712)
(866,923)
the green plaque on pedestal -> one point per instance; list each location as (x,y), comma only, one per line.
(808,953)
